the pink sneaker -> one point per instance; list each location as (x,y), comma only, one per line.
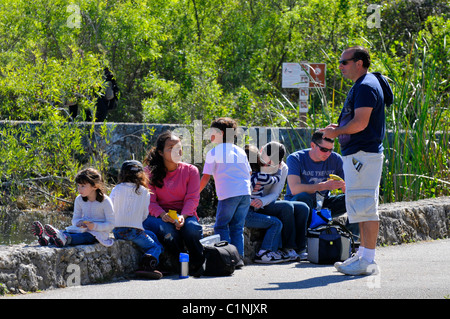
(38,231)
(58,237)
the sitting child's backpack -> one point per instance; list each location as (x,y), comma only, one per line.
(220,259)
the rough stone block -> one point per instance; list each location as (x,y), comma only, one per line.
(32,267)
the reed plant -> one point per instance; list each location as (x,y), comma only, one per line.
(417,147)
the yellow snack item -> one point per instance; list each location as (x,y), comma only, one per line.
(173,214)
(335,177)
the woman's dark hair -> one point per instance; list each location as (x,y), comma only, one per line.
(94,178)
(155,161)
(133,172)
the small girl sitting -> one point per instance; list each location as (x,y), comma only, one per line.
(93,216)
(131,199)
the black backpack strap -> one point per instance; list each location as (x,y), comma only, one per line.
(319,213)
(222,243)
(348,232)
(343,228)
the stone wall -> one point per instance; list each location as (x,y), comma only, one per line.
(404,222)
(124,141)
(31,267)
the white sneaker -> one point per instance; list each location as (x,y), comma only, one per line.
(289,255)
(359,266)
(268,257)
(349,260)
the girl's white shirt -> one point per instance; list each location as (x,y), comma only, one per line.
(100,213)
(130,208)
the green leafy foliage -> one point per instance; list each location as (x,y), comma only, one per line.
(177,61)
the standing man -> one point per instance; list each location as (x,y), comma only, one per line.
(361,129)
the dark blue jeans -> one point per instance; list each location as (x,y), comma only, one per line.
(175,240)
(146,240)
(272,237)
(85,238)
(293,218)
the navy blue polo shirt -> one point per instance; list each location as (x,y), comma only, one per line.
(365,92)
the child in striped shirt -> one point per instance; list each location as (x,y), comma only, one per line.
(259,178)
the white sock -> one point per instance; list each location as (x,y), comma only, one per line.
(369,254)
(360,251)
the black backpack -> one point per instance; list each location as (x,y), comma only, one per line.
(387,91)
(220,259)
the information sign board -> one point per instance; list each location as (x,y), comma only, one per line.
(293,76)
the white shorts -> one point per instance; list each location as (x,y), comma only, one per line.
(362,182)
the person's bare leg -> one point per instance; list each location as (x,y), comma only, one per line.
(361,235)
(369,234)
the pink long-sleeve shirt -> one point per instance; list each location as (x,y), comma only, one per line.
(181,192)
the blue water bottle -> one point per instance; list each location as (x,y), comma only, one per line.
(184,260)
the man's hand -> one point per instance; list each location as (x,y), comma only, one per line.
(330,131)
(333,184)
(330,185)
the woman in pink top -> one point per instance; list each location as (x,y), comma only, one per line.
(174,186)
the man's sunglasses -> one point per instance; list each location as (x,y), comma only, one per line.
(323,149)
(345,62)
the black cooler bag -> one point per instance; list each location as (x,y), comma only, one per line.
(220,259)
